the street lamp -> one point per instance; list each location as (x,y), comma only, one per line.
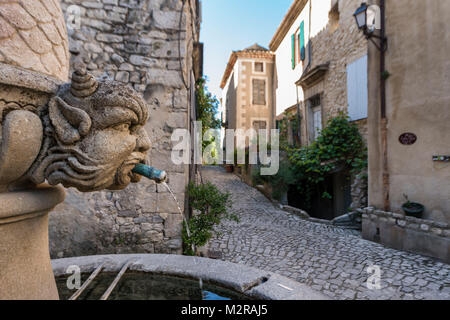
(361,16)
(368,19)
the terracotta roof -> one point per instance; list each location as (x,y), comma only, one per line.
(253,52)
(290,17)
(255,47)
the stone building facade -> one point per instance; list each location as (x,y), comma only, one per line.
(328,75)
(247,89)
(332,43)
(150,45)
(416,102)
(321,63)
(409,144)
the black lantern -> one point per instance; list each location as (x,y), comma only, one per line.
(361,16)
(366,18)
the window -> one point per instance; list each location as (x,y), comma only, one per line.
(259,67)
(259,92)
(259,125)
(315,117)
(357,91)
(317,120)
(315,101)
(298,46)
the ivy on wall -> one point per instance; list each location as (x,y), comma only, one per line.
(339,145)
(288,122)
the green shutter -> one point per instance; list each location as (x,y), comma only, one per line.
(293,51)
(302,41)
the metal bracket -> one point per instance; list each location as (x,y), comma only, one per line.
(383,46)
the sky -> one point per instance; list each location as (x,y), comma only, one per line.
(229,25)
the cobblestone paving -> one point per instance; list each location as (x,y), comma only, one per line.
(331,260)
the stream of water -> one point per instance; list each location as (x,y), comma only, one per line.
(206,295)
(181,212)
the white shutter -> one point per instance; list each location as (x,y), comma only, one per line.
(357,91)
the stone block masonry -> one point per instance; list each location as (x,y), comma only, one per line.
(400,232)
(139,42)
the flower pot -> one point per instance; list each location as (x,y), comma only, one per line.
(413,209)
(229,168)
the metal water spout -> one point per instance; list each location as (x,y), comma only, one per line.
(159,176)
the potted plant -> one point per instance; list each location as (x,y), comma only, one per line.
(229,168)
(412,208)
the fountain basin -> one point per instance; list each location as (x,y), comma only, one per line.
(242,280)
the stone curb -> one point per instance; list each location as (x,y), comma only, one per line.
(255,283)
(436,228)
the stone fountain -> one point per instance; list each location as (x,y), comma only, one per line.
(84,134)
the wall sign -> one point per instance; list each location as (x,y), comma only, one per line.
(441,158)
(408,139)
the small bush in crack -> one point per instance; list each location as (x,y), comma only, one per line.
(210,207)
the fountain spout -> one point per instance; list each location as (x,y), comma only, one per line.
(151,173)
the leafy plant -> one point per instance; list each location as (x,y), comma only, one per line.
(408,203)
(339,144)
(207,109)
(289,121)
(212,206)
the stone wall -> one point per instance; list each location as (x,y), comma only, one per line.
(339,44)
(417,101)
(398,231)
(138,42)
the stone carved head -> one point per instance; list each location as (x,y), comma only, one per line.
(93,136)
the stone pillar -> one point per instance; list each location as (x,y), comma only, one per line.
(25,267)
(31,70)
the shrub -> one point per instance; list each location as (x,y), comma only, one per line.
(339,143)
(212,206)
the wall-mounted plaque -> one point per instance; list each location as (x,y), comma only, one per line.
(408,139)
(441,158)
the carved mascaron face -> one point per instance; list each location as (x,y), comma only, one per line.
(94,136)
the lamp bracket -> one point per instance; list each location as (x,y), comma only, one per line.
(382,46)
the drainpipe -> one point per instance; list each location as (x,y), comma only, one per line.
(384,121)
(299,128)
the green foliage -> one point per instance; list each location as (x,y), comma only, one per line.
(281,181)
(207,109)
(339,144)
(289,121)
(212,206)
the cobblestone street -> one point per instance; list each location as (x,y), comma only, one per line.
(329,259)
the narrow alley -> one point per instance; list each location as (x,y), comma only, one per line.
(332,260)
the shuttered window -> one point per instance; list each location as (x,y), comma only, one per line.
(357,91)
(259,92)
(259,125)
(259,67)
